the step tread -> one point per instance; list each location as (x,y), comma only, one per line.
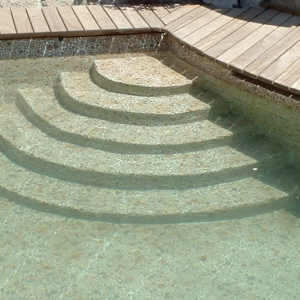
(43,103)
(139,71)
(103,204)
(24,136)
(81,89)
(144,76)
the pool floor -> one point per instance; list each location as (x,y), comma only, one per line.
(48,256)
(44,256)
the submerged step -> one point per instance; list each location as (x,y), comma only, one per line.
(241,129)
(42,109)
(30,147)
(79,94)
(237,199)
(139,75)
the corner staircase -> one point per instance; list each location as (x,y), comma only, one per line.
(128,143)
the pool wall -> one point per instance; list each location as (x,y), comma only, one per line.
(275,112)
(49,47)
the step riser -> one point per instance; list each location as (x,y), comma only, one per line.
(219,215)
(132,89)
(231,200)
(123,117)
(112,146)
(240,132)
(127,181)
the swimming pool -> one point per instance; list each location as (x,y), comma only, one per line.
(61,254)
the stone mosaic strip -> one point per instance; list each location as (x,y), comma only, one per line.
(42,109)
(48,47)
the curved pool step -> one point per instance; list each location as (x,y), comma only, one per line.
(76,92)
(139,75)
(241,129)
(42,109)
(243,198)
(30,147)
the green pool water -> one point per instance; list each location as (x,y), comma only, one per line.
(51,256)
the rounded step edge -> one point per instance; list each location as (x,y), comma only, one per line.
(26,145)
(233,200)
(141,76)
(33,149)
(77,93)
(40,107)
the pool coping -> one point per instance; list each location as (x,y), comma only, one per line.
(239,36)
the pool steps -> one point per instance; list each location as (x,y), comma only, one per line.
(32,148)
(162,170)
(70,199)
(143,80)
(77,92)
(41,107)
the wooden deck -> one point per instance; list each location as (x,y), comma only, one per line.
(261,43)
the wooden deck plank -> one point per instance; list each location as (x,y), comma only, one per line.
(21,20)
(211,27)
(101,17)
(177,13)
(53,19)
(280,65)
(37,20)
(295,87)
(150,17)
(160,11)
(240,34)
(258,43)
(117,17)
(7,25)
(252,39)
(247,57)
(197,24)
(69,18)
(134,18)
(186,19)
(289,77)
(267,58)
(227,30)
(85,18)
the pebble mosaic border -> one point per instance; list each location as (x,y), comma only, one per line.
(276,114)
(49,47)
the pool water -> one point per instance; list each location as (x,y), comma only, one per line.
(63,254)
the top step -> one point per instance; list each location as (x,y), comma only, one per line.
(142,76)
